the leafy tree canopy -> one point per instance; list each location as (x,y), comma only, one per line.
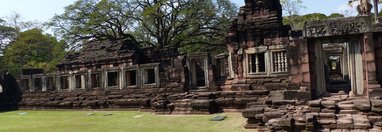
(33,49)
(192,25)
(7,34)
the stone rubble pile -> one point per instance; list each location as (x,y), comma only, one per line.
(338,113)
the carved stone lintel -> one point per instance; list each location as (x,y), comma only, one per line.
(335,27)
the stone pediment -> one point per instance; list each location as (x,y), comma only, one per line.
(337,27)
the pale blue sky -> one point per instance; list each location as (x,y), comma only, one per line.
(43,10)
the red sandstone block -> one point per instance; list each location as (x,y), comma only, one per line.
(306,77)
(370,56)
(305,67)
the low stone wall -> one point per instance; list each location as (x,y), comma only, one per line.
(335,113)
(153,100)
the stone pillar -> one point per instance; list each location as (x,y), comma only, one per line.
(103,79)
(44,83)
(58,83)
(371,83)
(83,81)
(89,80)
(121,79)
(319,69)
(72,82)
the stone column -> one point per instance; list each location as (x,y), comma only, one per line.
(89,80)
(103,79)
(121,78)
(58,83)
(44,83)
(371,83)
(319,69)
(72,83)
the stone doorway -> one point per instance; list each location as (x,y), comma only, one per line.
(198,73)
(338,67)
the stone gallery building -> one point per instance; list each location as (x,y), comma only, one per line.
(269,72)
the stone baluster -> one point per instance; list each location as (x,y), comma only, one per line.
(250,63)
(257,63)
(285,61)
(282,61)
(279,61)
(275,62)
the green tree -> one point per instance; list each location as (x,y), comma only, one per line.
(7,35)
(94,20)
(155,23)
(33,49)
(298,21)
(190,25)
(336,15)
(291,10)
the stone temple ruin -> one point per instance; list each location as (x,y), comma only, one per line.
(326,77)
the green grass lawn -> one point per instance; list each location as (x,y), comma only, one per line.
(119,121)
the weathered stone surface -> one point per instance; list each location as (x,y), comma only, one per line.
(328,104)
(283,102)
(327,115)
(315,109)
(328,110)
(344,121)
(290,95)
(376,103)
(346,106)
(327,121)
(252,112)
(349,111)
(374,119)
(311,117)
(363,105)
(376,109)
(350,25)
(361,122)
(274,114)
(314,103)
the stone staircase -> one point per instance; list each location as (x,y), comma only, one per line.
(182,107)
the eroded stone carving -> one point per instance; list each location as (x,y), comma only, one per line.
(364,8)
(334,27)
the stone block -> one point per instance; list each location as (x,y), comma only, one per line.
(328,123)
(361,122)
(327,116)
(274,114)
(328,110)
(346,106)
(349,111)
(374,119)
(290,95)
(252,112)
(283,102)
(376,109)
(362,125)
(304,95)
(315,109)
(378,124)
(286,124)
(344,121)
(328,104)
(311,117)
(363,105)
(314,103)
(376,103)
